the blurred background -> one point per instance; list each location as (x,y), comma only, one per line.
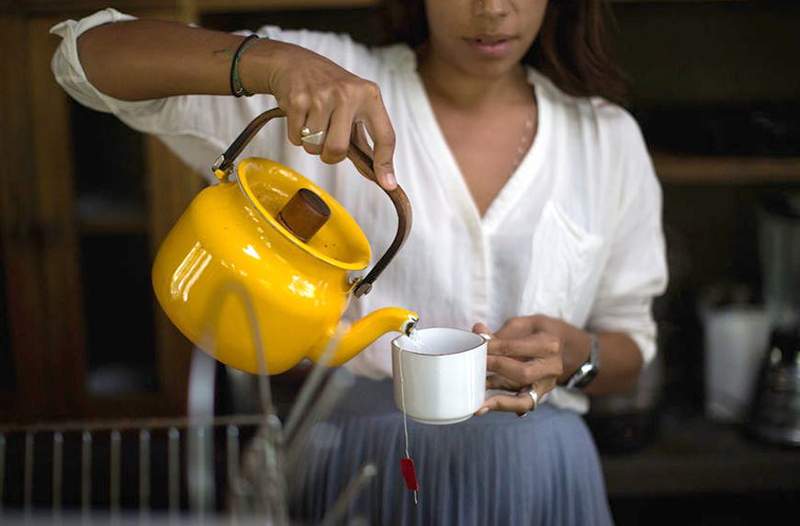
(711,434)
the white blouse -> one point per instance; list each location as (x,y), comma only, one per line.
(575,233)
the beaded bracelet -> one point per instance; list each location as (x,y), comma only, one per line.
(237,90)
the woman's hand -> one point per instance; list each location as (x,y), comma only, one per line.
(319,95)
(530,352)
(150,59)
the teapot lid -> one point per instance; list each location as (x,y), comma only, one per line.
(270,186)
(304,214)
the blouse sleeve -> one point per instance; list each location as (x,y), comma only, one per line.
(197,127)
(636,270)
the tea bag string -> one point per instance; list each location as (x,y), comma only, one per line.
(405,416)
(403,401)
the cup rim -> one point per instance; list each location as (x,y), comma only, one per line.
(483,342)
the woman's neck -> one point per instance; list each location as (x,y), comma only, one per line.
(461,90)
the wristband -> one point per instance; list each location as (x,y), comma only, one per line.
(237,90)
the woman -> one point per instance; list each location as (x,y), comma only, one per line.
(537,216)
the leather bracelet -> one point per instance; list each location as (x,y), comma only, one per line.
(237,90)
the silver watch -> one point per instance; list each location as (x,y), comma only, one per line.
(588,369)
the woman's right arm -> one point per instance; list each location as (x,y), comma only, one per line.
(152,59)
(149,59)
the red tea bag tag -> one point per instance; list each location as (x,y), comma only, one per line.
(409,473)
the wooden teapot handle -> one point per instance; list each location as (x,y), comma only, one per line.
(361,155)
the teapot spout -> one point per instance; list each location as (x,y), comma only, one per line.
(371,327)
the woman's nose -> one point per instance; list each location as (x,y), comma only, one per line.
(492,7)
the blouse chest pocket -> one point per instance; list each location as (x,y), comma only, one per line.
(566,263)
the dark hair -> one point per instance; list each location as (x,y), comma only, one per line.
(571,48)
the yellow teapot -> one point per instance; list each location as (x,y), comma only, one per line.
(256,272)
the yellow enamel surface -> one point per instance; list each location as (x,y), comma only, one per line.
(234,281)
(368,329)
(269,185)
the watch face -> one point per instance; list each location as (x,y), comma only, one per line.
(588,373)
(588,370)
(583,376)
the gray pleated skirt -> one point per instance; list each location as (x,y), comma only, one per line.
(491,470)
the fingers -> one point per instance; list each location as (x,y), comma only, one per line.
(334,110)
(497,381)
(380,129)
(517,348)
(523,355)
(296,109)
(309,108)
(338,138)
(481,328)
(519,373)
(526,360)
(514,328)
(539,345)
(522,326)
(519,404)
(318,119)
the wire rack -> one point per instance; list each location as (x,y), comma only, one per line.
(202,468)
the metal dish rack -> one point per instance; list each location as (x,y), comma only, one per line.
(199,469)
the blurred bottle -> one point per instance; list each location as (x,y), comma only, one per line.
(775,413)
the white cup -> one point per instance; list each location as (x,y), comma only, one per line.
(439,375)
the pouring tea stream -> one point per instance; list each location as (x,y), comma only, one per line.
(291,246)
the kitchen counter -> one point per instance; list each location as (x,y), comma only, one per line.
(698,456)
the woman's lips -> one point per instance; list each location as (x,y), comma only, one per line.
(491,46)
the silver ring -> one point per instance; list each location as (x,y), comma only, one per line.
(309,137)
(535,398)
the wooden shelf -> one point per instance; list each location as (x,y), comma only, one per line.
(227,6)
(691,170)
(47,7)
(680,1)
(700,457)
(60,6)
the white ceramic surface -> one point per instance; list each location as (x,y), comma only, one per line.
(444,377)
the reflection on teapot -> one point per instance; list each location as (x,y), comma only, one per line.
(263,261)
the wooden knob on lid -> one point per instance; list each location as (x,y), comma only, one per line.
(304,214)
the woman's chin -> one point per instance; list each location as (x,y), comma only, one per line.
(491,70)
